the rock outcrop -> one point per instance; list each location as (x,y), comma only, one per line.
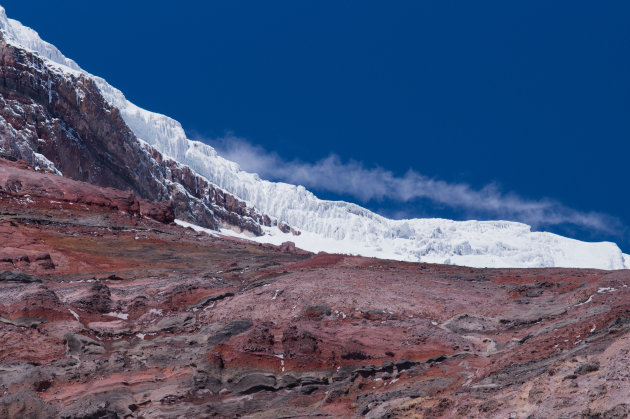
(20,183)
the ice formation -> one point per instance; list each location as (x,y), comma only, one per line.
(336,226)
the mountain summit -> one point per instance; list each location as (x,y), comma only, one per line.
(91,132)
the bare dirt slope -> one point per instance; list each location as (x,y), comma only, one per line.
(107,311)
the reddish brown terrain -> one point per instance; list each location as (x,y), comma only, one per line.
(107,309)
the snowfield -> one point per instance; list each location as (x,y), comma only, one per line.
(335,226)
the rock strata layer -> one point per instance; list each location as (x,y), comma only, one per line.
(105,312)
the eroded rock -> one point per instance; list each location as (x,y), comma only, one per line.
(83,345)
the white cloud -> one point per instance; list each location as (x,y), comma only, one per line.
(366,184)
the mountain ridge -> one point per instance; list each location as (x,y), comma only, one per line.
(344,226)
(56,119)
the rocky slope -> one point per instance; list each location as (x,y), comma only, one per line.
(59,122)
(108,310)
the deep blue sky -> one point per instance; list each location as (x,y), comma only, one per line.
(533,95)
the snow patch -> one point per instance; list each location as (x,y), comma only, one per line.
(122,316)
(585,302)
(604,290)
(196,228)
(76,316)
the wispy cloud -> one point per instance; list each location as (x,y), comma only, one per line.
(354,179)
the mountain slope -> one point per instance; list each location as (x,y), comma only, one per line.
(55,118)
(339,226)
(108,314)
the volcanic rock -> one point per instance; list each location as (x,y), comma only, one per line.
(79,344)
(186,324)
(96,297)
(11,276)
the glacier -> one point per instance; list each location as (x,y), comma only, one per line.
(337,226)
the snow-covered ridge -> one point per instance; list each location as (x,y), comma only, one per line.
(340,226)
(25,37)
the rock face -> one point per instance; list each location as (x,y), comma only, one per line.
(136,318)
(59,122)
(19,182)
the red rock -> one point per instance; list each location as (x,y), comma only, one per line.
(184,324)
